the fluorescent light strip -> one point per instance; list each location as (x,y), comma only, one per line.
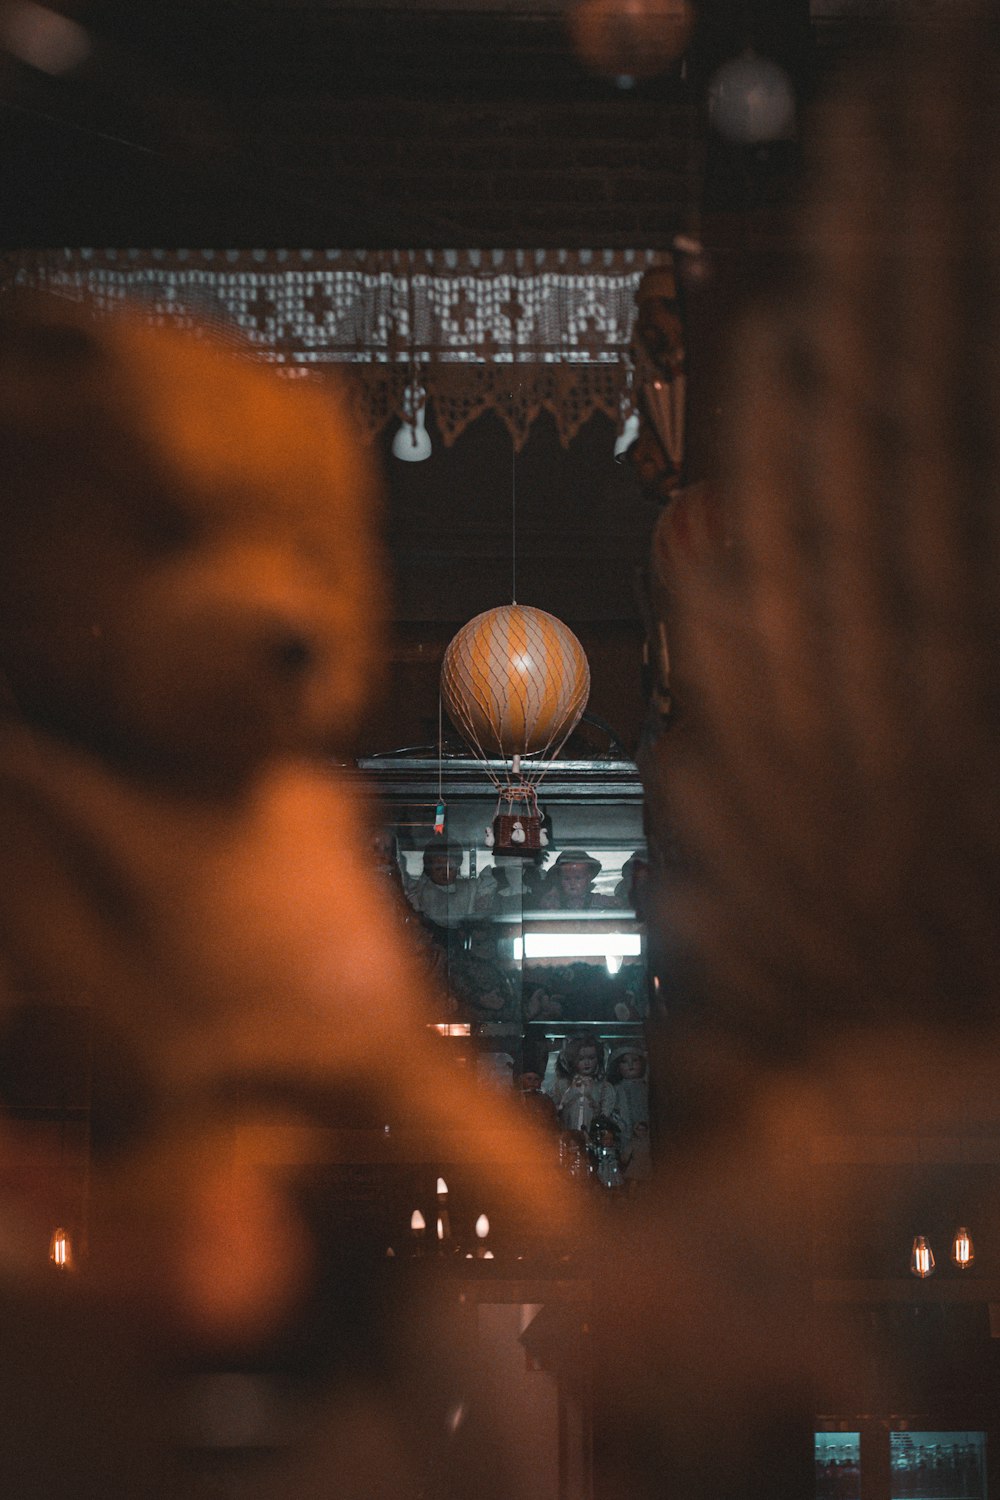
(578,945)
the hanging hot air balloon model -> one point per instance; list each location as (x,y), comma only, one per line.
(515,681)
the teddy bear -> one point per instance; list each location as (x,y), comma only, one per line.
(189,632)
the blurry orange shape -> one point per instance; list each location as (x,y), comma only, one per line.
(629,40)
(962,1249)
(243,1255)
(921,1258)
(61,1250)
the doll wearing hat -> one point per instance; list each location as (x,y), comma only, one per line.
(570,885)
(627,1074)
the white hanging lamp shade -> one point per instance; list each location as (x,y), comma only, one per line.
(412,442)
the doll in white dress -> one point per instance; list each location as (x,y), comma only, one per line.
(627,1072)
(579,1089)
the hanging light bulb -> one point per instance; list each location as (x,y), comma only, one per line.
(921,1258)
(962,1250)
(418,1229)
(61,1250)
(627,436)
(412,443)
(750,99)
(443,1216)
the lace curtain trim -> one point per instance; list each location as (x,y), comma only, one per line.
(515,332)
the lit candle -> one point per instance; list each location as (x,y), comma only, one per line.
(417,1229)
(482,1231)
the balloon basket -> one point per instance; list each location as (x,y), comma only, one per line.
(517,833)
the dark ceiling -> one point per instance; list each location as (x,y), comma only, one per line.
(295,122)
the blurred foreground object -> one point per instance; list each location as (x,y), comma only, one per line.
(188,631)
(830,964)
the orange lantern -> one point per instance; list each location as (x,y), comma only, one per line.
(630,39)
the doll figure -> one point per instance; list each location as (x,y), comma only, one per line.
(441,893)
(542,1005)
(627,1072)
(638,1162)
(529,1092)
(580,1090)
(570,885)
(603,1149)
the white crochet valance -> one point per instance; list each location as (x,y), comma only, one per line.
(514,331)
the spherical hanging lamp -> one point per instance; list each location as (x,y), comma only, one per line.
(515,681)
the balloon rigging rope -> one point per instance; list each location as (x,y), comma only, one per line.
(440,747)
(513,516)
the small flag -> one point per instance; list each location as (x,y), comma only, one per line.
(439,818)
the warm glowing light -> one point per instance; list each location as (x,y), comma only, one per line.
(61,1250)
(43,38)
(417,1222)
(452,1028)
(962,1250)
(921,1258)
(442,1188)
(482,1227)
(628,40)
(440,1228)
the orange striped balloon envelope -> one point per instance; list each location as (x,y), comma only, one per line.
(515,681)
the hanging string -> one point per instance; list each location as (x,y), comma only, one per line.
(439,810)
(413,379)
(513,509)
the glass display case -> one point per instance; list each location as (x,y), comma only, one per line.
(838,1466)
(927,1465)
(541,955)
(885,1457)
